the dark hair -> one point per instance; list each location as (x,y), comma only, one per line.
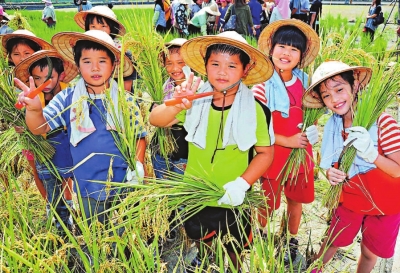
(16,41)
(160,3)
(171,50)
(84,44)
(347,76)
(114,27)
(291,36)
(231,50)
(377,2)
(57,63)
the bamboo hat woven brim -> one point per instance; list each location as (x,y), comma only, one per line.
(64,42)
(104,11)
(194,51)
(23,34)
(22,69)
(313,41)
(327,70)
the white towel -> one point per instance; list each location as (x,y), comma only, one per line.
(276,93)
(241,122)
(81,124)
(332,146)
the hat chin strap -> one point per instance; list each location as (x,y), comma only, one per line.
(229,87)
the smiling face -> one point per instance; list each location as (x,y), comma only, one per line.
(224,70)
(20,52)
(40,75)
(103,26)
(174,64)
(285,57)
(338,95)
(96,68)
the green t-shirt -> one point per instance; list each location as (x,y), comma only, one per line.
(229,162)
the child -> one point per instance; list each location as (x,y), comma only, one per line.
(88,122)
(17,46)
(291,45)
(36,66)
(174,65)
(369,198)
(104,19)
(223,132)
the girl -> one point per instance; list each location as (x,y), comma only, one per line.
(374,10)
(370,196)
(18,46)
(159,22)
(104,19)
(291,45)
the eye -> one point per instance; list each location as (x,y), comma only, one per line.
(232,66)
(340,90)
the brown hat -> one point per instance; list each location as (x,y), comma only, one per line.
(328,70)
(313,41)
(194,51)
(23,34)
(64,42)
(22,69)
(104,11)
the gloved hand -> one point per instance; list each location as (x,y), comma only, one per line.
(136,176)
(311,133)
(235,192)
(363,143)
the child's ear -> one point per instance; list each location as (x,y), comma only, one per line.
(246,70)
(62,76)
(356,86)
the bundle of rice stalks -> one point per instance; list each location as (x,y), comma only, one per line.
(298,156)
(146,45)
(19,22)
(372,101)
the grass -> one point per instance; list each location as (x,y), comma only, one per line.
(31,244)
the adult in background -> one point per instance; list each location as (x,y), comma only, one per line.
(4,29)
(195,7)
(167,10)
(49,14)
(256,10)
(300,9)
(159,22)
(219,20)
(181,17)
(84,5)
(243,17)
(281,11)
(374,10)
(210,19)
(315,14)
(199,22)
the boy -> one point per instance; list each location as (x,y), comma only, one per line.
(63,72)
(87,120)
(223,132)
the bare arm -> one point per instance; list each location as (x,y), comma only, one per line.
(312,19)
(141,149)
(298,140)
(264,157)
(390,164)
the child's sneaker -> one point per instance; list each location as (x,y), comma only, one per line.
(291,251)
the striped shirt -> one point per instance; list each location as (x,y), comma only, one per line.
(389,134)
(259,92)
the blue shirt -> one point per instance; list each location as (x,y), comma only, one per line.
(256,9)
(100,144)
(300,4)
(86,7)
(161,16)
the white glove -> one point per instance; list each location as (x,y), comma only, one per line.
(235,192)
(136,176)
(312,134)
(363,143)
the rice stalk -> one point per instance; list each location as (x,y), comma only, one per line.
(297,157)
(372,102)
(19,22)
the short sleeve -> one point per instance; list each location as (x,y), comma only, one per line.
(389,134)
(264,132)
(181,116)
(54,111)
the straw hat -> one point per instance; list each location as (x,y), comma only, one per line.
(213,9)
(194,51)
(327,70)
(22,69)
(176,42)
(313,44)
(65,41)
(23,34)
(47,1)
(104,11)
(185,2)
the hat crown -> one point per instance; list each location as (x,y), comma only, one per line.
(233,35)
(214,7)
(98,34)
(328,68)
(24,32)
(176,42)
(103,11)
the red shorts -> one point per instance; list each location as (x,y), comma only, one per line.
(379,232)
(300,190)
